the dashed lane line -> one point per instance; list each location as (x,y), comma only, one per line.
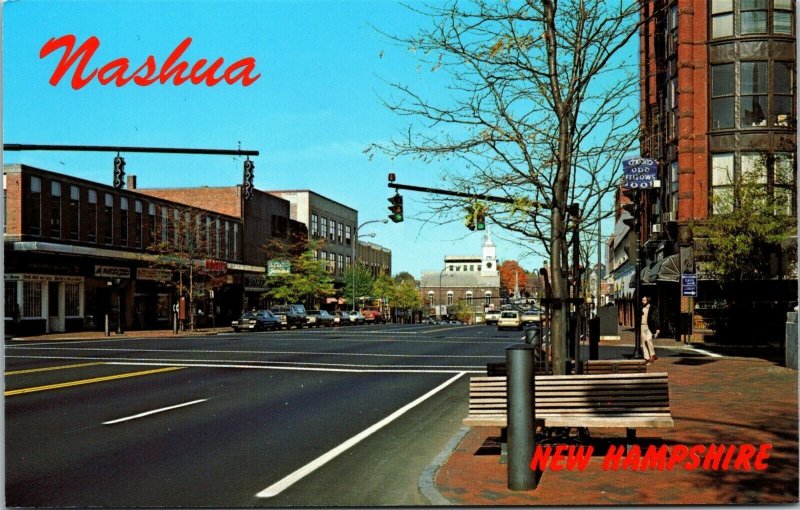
(68,384)
(154,411)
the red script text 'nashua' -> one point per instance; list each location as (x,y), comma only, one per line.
(146,74)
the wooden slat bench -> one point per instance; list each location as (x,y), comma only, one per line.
(629,401)
(590,367)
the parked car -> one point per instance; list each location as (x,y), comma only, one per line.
(372,314)
(509,319)
(291,315)
(319,318)
(491,317)
(355,317)
(531,316)
(256,321)
(338,319)
(430,320)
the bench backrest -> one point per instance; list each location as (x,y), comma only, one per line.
(578,394)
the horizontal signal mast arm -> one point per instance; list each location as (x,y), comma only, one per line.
(114,148)
(437,191)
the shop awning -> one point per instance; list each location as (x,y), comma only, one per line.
(663,270)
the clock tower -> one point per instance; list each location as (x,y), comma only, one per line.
(489,256)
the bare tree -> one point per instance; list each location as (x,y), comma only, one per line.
(541,107)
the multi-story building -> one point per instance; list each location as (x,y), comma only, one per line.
(330,224)
(374,257)
(718,96)
(472,278)
(77,251)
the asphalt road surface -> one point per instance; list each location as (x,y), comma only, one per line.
(332,417)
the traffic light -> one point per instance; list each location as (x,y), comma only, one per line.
(119,172)
(470,222)
(480,219)
(396,208)
(247,179)
(632,208)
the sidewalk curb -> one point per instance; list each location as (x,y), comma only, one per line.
(427,479)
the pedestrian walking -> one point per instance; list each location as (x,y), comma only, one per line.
(650,329)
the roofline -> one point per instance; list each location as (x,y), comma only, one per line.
(273,192)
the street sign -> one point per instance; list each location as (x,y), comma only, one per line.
(689,285)
(279,267)
(639,173)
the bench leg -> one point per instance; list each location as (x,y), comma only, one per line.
(630,438)
(504,445)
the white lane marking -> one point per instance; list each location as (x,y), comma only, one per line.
(291,353)
(378,369)
(286,482)
(155,411)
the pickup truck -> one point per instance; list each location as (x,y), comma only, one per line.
(491,317)
(291,315)
(372,314)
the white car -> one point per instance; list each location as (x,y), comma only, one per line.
(509,319)
(532,315)
(491,317)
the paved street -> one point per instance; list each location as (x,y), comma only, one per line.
(345,416)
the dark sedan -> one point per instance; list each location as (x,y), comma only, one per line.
(261,320)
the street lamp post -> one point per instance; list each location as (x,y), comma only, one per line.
(353,263)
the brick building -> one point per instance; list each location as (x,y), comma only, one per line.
(76,251)
(474,279)
(718,96)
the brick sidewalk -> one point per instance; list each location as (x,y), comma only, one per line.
(713,400)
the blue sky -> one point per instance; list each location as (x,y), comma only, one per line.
(311,114)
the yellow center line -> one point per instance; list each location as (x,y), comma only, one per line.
(45,369)
(23,391)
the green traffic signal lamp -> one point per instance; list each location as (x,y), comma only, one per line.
(480,220)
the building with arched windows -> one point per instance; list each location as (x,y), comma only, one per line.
(473,279)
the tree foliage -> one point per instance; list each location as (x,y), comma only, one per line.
(363,283)
(511,272)
(309,278)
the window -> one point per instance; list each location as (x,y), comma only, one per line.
(348,235)
(753,17)
(722,96)
(55,209)
(108,219)
(31,299)
(487,297)
(151,213)
(753,103)
(783,84)
(784,178)
(348,261)
(721,18)
(164,224)
(176,227)
(340,264)
(91,215)
(227,239)
(208,235)
(11,300)
(672,201)
(722,183)
(449,298)
(783,17)
(74,212)
(332,263)
(35,207)
(138,228)
(314,225)
(217,238)
(332,231)
(430,298)
(72,299)
(324,227)
(235,241)
(339,235)
(123,221)
(469,296)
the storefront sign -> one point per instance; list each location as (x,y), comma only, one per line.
(639,173)
(216,265)
(689,285)
(255,283)
(149,273)
(279,267)
(26,277)
(112,272)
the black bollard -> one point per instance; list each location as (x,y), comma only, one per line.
(594,338)
(520,392)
